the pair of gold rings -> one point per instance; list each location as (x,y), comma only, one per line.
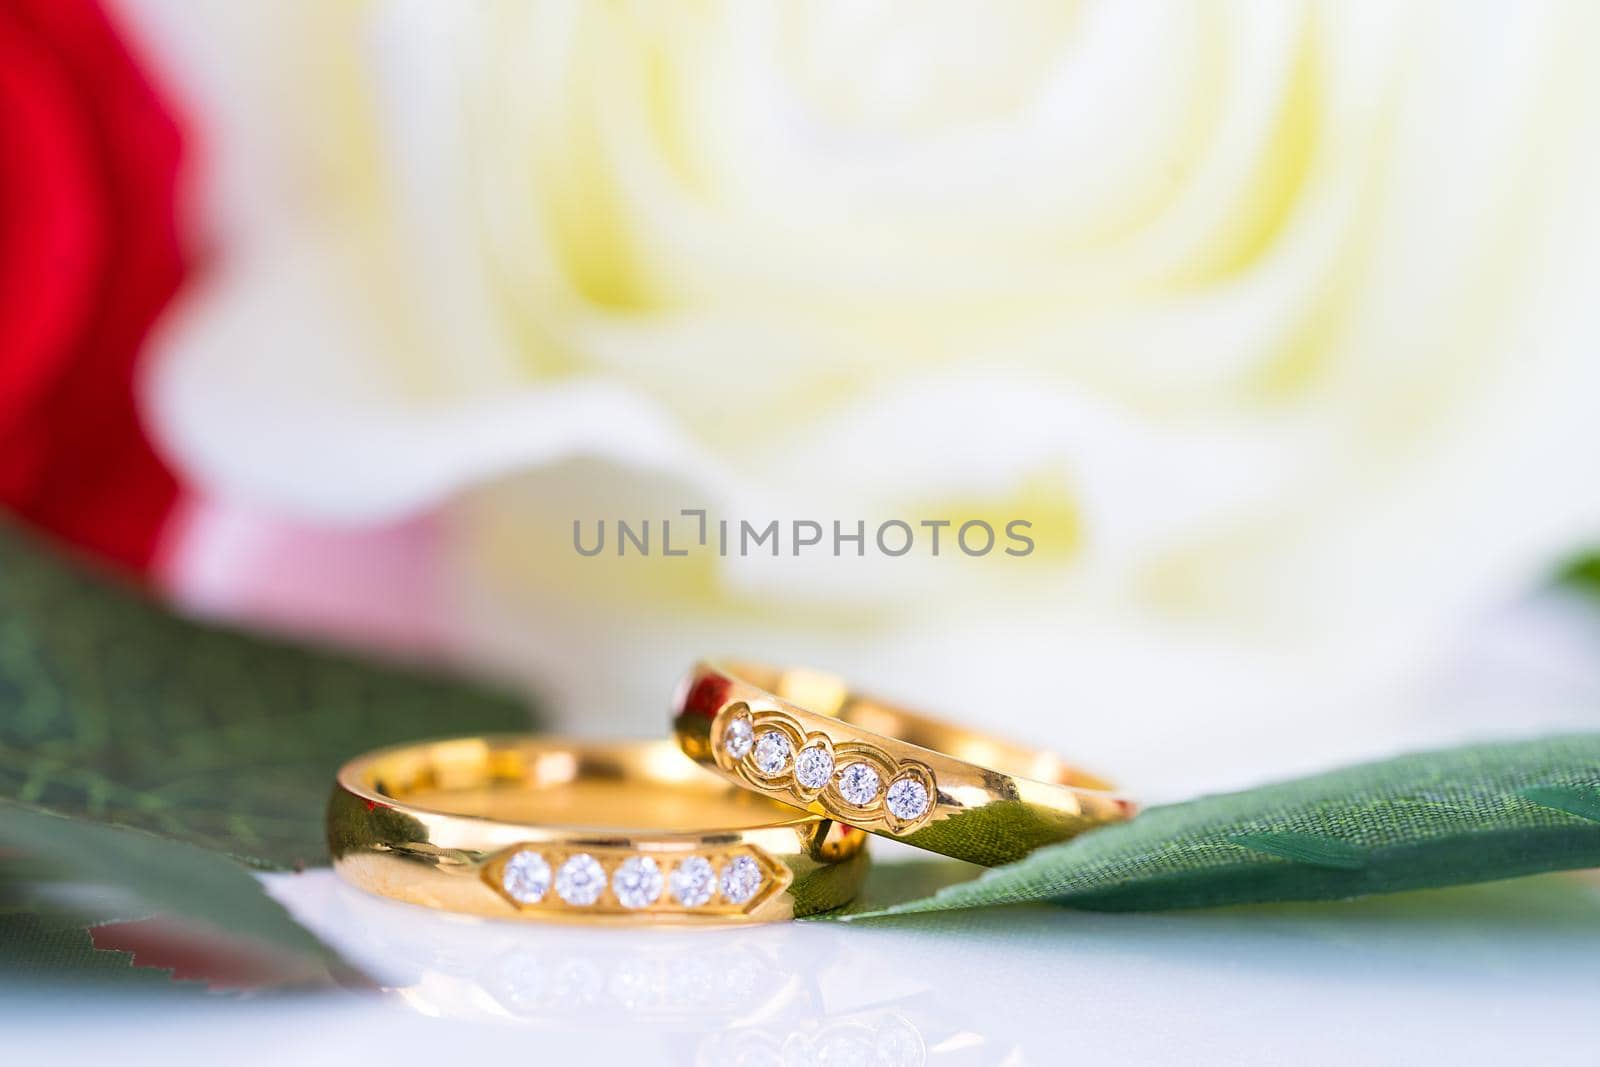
(541,828)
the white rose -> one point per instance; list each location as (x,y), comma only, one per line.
(1276,320)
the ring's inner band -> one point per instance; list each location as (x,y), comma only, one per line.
(826,694)
(625,786)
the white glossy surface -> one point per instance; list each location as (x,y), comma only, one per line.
(1501,973)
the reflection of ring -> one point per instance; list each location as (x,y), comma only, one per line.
(523,827)
(804,738)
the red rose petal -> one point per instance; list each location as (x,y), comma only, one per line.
(90,230)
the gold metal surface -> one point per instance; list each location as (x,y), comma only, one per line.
(991,802)
(436,823)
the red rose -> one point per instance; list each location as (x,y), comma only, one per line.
(89,254)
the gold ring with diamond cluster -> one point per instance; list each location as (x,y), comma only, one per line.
(538,828)
(803,738)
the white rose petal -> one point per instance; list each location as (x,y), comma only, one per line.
(1282,309)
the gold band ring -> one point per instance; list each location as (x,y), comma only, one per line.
(537,828)
(803,738)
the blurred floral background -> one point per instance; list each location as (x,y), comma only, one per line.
(1277,320)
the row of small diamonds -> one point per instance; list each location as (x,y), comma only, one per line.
(771,750)
(637,882)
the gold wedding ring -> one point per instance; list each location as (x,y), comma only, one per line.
(805,739)
(621,832)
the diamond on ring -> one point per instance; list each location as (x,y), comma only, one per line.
(813,766)
(858,783)
(737,737)
(772,753)
(526,877)
(693,881)
(581,880)
(907,799)
(740,879)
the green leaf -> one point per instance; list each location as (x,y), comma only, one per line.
(1581,573)
(172,877)
(1432,819)
(1579,800)
(43,948)
(1313,849)
(115,710)
(66,874)
(140,751)
(888,884)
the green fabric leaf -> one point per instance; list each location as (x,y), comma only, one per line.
(169,876)
(115,710)
(60,877)
(42,948)
(140,751)
(1582,573)
(1313,849)
(1420,821)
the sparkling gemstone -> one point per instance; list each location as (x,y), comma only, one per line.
(740,879)
(908,798)
(858,783)
(637,882)
(581,879)
(813,766)
(526,877)
(693,881)
(737,736)
(772,752)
